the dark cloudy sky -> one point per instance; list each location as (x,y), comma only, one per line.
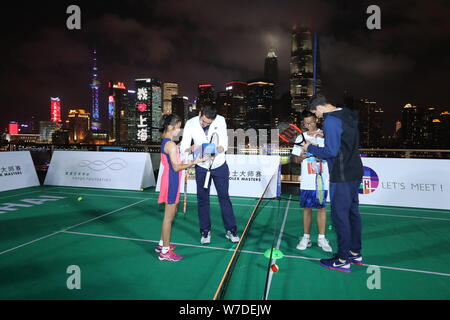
(210,41)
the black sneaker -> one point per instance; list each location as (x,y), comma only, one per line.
(335,264)
(355,259)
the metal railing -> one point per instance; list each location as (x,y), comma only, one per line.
(290,172)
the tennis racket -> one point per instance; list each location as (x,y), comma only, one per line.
(319,181)
(215,140)
(289,132)
(185,190)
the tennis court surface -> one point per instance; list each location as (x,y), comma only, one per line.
(110,236)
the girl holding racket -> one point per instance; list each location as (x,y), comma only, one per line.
(170,183)
(314,184)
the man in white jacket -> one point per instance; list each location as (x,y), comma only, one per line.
(200,129)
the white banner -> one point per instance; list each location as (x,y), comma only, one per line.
(17,170)
(111,170)
(249,176)
(420,183)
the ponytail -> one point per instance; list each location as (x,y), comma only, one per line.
(168,120)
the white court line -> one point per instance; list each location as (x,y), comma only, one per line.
(157,241)
(383,267)
(404,208)
(239,205)
(79,224)
(30,242)
(278,247)
(248,205)
(126,197)
(21,194)
(401,216)
(246,251)
(155,193)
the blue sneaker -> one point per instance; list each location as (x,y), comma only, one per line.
(335,264)
(355,259)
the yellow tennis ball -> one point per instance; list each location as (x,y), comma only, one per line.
(80,198)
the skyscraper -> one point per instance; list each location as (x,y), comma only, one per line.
(206,95)
(370,122)
(260,103)
(271,67)
(169,90)
(180,107)
(79,123)
(223,105)
(148,105)
(410,126)
(95,88)
(46,129)
(13,127)
(118,112)
(238,91)
(55,110)
(304,68)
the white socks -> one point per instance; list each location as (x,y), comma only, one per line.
(307,236)
(165,250)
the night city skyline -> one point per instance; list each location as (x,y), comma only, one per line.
(194,42)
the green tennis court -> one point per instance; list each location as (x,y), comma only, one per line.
(110,236)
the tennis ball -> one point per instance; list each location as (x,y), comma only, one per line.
(330,227)
(80,198)
(274,268)
(142,189)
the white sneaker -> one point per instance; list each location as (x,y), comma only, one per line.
(323,243)
(231,237)
(304,243)
(206,239)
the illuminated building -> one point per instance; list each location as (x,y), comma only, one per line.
(223,104)
(169,90)
(95,87)
(410,126)
(238,91)
(271,67)
(79,123)
(444,130)
(118,112)
(55,110)
(46,129)
(370,122)
(13,127)
(260,103)
(304,68)
(148,110)
(206,95)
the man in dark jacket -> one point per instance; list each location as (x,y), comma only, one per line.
(341,152)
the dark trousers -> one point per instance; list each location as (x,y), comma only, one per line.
(345,216)
(220,176)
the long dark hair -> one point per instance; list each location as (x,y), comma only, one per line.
(168,120)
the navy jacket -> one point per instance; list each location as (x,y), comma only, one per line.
(341,146)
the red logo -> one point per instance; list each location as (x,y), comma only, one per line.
(142,107)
